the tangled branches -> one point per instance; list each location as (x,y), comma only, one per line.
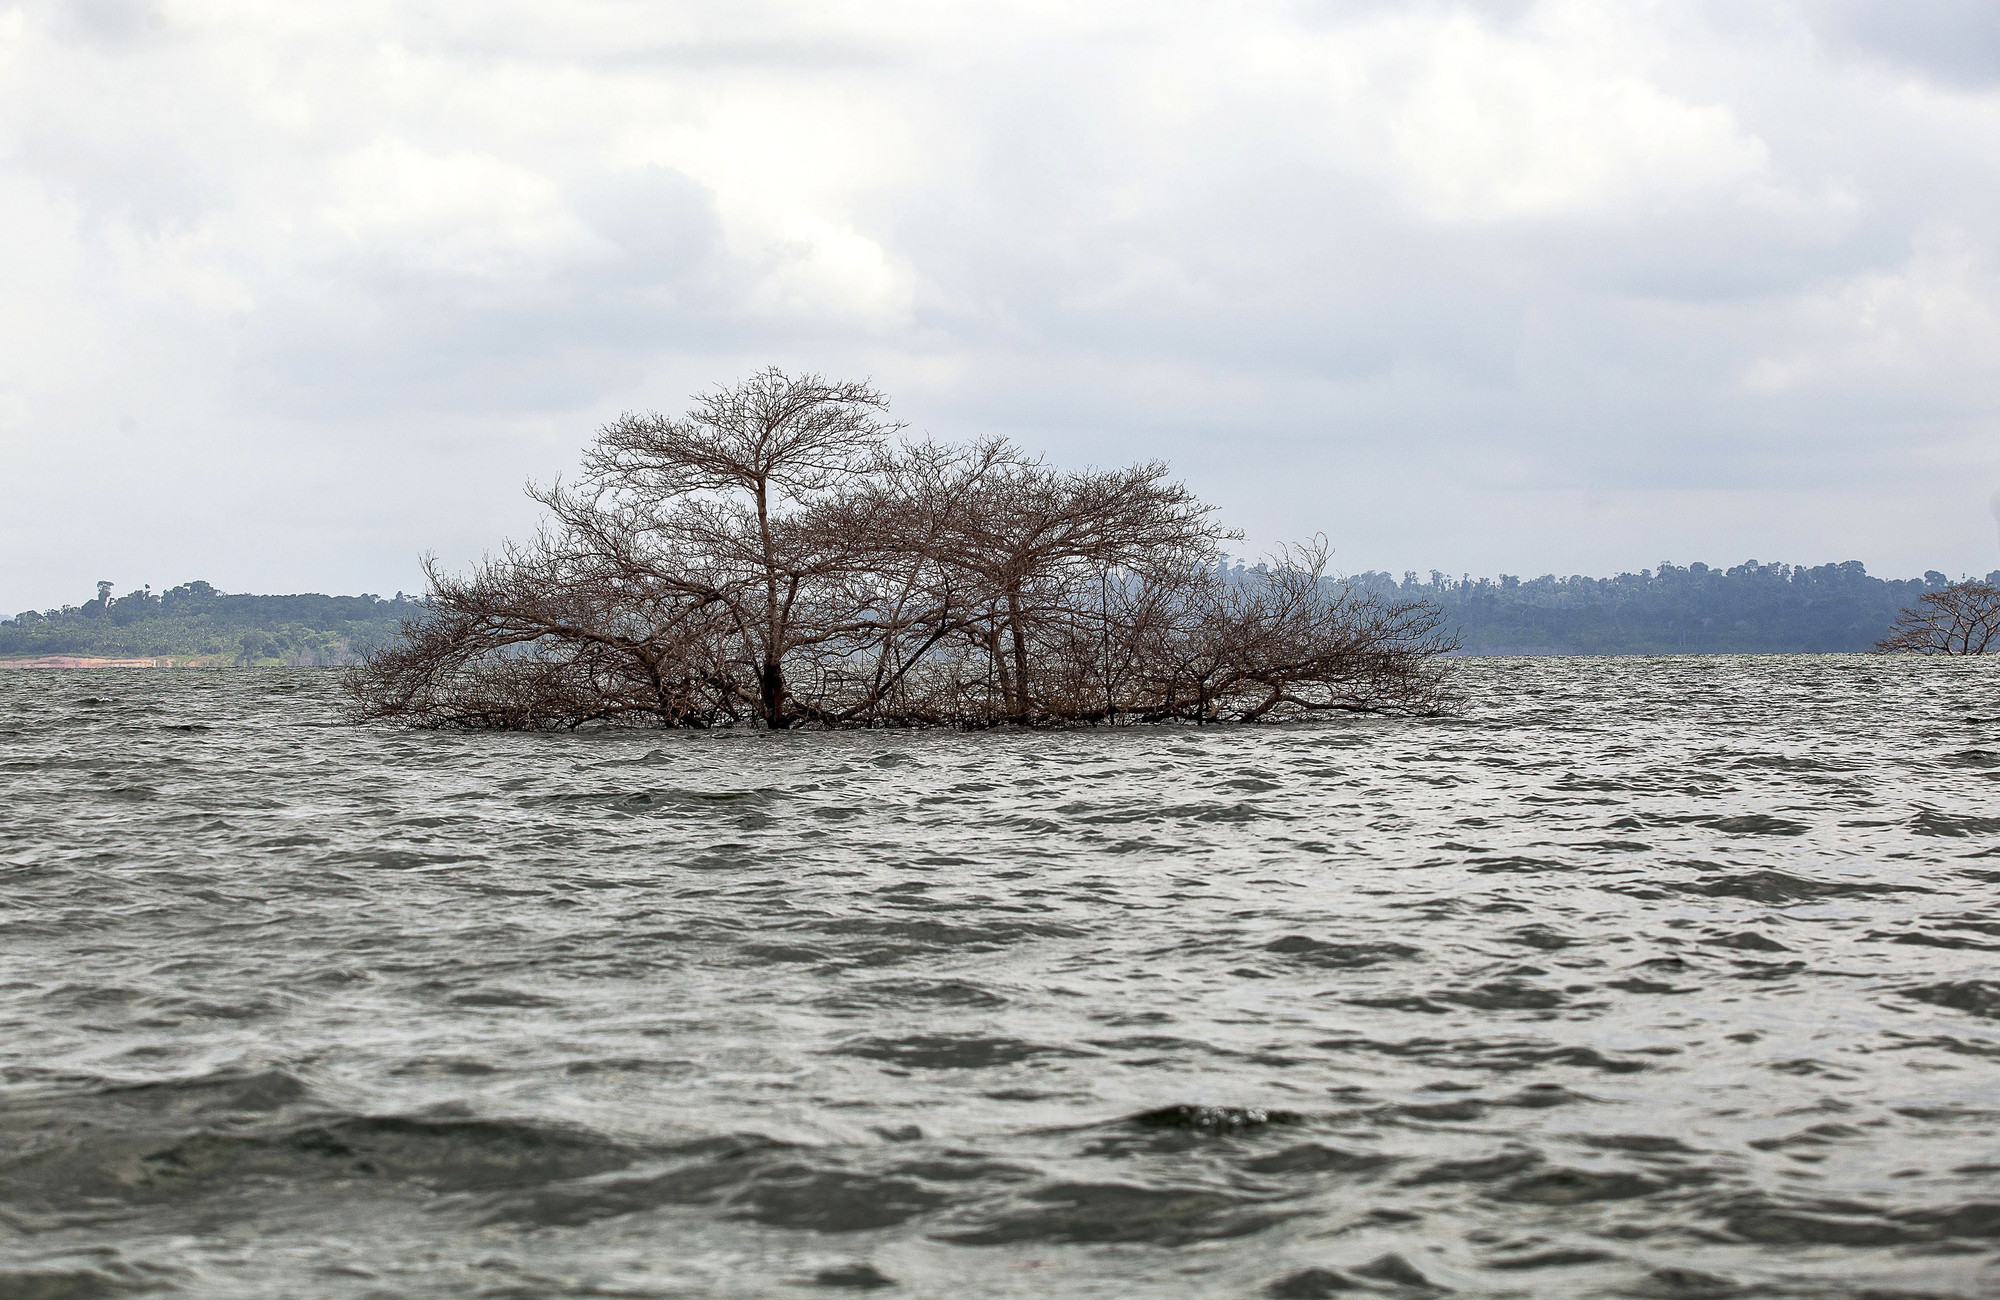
(1963,619)
(772,558)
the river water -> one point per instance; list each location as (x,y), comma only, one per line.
(1643,977)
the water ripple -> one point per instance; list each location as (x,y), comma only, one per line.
(1664,977)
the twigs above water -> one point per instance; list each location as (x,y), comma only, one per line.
(1962,619)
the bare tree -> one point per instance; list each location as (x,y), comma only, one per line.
(1283,640)
(770,557)
(1963,619)
(1027,550)
(721,501)
(550,634)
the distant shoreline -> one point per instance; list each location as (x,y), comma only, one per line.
(186,661)
(98,661)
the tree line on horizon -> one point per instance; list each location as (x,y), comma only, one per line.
(196,622)
(1750,608)
(1673,609)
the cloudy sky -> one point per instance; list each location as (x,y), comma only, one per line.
(290,293)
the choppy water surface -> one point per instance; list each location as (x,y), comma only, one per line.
(1667,977)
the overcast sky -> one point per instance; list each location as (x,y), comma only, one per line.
(290,293)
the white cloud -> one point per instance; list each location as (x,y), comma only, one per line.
(1550,122)
(331,280)
(1927,330)
(462,215)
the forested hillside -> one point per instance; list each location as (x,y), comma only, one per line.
(1750,609)
(194,621)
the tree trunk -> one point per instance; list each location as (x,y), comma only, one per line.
(771,682)
(1020,706)
(1000,668)
(771,679)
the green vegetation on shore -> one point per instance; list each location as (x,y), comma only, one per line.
(1750,609)
(196,623)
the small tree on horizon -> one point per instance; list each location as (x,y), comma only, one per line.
(1962,619)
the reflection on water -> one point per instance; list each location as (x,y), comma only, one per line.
(1667,977)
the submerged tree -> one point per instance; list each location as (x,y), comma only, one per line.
(772,558)
(725,504)
(1962,619)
